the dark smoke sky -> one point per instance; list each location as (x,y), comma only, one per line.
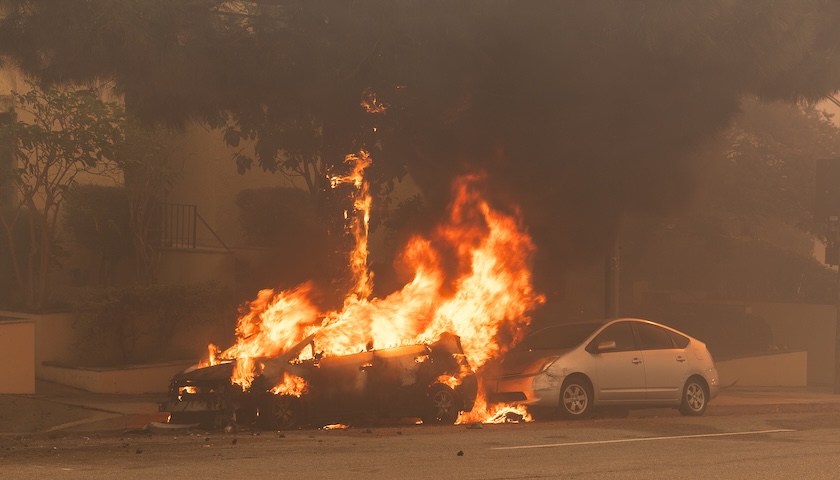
(578,110)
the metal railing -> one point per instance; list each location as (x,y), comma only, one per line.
(178,226)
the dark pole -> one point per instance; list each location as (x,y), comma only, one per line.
(611,264)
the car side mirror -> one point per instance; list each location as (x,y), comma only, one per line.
(606,346)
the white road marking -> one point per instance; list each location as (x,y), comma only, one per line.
(644,439)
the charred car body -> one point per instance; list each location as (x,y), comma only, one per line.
(433,382)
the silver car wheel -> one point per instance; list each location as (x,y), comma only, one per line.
(694,399)
(575,399)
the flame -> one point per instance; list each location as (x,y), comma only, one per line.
(471,277)
(492,294)
(291,385)
(335,426)
(449,380)
(482,412)
(360,221)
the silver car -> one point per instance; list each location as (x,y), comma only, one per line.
(626,362)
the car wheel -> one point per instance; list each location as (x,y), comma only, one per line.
(575,398)
(441,406)
(281,412)
(694,398)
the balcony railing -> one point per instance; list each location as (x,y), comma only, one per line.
(178,226)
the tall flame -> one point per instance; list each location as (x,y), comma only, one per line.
(360,220)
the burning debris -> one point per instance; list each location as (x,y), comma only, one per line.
(411,353)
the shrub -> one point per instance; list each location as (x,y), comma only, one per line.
(98,218)
(153,324)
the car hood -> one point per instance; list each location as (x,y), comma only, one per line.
(524,362)
(221,371)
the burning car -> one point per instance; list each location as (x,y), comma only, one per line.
(430,381)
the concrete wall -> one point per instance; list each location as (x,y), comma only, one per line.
(209,179)
(53,337)
(196,265)
(17,342)
(129,380)
(789,369)
(804,327)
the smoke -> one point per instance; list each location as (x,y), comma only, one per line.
(578,112)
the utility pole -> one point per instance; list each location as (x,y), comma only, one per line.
(611,277)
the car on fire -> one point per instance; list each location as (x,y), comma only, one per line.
(624,363)
(430,381)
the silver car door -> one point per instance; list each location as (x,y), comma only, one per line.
(666,365)
(619,369)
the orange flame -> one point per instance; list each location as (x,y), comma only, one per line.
(291,385)
(360,221)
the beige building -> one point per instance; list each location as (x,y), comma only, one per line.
(201,233)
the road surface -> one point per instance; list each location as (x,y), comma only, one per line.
(648,447)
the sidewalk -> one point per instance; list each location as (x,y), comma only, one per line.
(59,409)
(735,400)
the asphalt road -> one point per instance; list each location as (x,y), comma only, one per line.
(803,445)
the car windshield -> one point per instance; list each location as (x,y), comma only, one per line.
(559,337)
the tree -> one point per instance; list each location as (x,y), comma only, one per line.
(59,136)
(749,232)
(146,160)
(579,111)
(284,221)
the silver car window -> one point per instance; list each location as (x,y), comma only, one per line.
(680,340)
(653,337)
(558,337)
(621,333)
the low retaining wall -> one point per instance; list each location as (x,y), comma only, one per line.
(132,379)
(17,342)
(785,369)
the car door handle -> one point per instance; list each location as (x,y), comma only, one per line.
(637,361)
(680,359)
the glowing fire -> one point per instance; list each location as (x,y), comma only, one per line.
(485,251)
(360,221)
(291,385)
(499,413)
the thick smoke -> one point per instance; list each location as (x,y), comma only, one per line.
(577,111)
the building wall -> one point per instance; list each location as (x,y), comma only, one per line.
(208,179)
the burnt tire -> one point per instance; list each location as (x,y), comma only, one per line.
(575,398)
(695,398)
(281,412)
(442,407)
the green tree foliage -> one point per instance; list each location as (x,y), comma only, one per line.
(59,136)
(98,217)
(749,232)
(146,160)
